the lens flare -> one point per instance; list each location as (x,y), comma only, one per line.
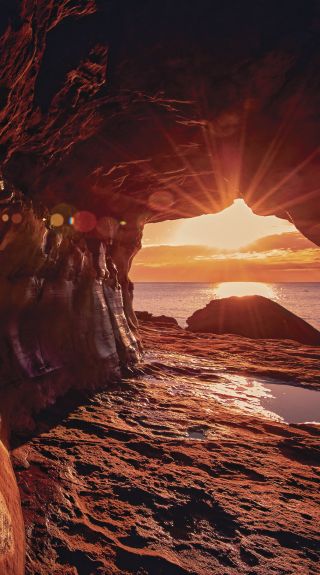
(84,221)
(16,218)
(56,220)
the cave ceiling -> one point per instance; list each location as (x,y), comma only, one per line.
(163,109)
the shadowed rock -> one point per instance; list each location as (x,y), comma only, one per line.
(256,317)
(163,319)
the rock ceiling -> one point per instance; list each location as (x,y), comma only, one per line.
(160,109)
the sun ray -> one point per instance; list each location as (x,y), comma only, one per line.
(187,165)
(274,146)
(287,177)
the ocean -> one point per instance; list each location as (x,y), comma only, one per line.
(180,300)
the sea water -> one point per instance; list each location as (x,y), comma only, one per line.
(255,395)
(180,300)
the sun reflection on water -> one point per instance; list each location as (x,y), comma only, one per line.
(228,289)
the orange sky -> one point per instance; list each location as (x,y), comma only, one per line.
(234,245)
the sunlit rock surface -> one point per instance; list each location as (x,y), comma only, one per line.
(256,317)
(283,360)
(155,476)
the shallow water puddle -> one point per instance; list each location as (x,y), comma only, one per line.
(293,404)
(196,434)
(199,377)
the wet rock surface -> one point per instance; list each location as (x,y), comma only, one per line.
(283,360)
(140,479)
(255,317)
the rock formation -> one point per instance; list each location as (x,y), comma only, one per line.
(255,317)
(133,112)
(63,326)
(154,476)
(164,320)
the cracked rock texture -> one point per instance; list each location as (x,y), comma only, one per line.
(151,477)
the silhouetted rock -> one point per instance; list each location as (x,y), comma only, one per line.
(149,317)
(256,317)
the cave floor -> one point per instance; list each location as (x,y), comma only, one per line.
(144,479)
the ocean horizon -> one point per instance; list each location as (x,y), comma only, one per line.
(181,299)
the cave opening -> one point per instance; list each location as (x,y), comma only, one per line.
(184,263)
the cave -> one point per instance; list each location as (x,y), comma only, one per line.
(116,114)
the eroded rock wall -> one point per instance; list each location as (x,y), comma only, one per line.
(12,546)
(62,314)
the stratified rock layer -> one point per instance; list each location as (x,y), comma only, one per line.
(256,317)
(154,477)
(62,325)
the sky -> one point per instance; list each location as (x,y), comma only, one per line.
(233,245)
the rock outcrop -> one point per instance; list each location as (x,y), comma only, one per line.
(255,317)
(62,314)
(63,325)
(164,320)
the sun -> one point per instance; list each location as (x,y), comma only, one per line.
(230,229)
(228,289)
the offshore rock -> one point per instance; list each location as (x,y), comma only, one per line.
(162,319)
(255,317)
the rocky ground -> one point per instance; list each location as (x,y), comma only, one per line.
(150,478)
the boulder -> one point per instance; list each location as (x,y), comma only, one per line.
(146,316)
(256,317)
